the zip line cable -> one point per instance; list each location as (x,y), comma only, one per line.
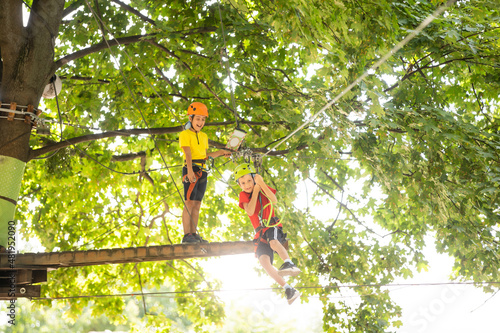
(212,291)
(382,60)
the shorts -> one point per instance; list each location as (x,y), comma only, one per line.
(269,235)
(199,188)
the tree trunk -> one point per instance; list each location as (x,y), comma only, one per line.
(27,55)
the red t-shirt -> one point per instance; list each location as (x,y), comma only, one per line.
(245,197)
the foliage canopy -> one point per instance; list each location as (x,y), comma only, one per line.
(423,131)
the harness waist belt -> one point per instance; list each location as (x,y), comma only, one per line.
(202,162)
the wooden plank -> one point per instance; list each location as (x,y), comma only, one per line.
(39,275)
(20,291)
(24,276)
(127,255)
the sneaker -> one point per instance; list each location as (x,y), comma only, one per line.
(189,239)
(291,295)
(289,269)
(201,240)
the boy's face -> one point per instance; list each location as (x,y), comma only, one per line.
(198,122)
(246,183)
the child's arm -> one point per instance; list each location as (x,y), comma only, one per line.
(189,164)
(250,206)
(218,153)
(260,181)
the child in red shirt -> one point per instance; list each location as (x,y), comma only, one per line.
(257,199)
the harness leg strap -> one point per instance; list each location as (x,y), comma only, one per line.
(198,175)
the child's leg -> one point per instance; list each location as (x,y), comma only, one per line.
(279,249)
(265,261)
(288,267)
(190,215)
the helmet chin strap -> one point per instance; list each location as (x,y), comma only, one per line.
(191,121)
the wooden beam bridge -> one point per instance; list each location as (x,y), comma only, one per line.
(19,272)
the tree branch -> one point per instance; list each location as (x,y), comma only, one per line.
(281,71)
(134,11)
(270,152)
(128,157)
(165,78)
(426,66)
(170,53)
(71,8)
(101,46)
(344,206)
(332,180)
(360,123)
(128,132)
(216,96)
(81,78)
(186,98)
(97,13)
(257,90)
(91,137)
(195,53)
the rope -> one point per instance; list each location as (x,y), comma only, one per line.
(135,101)
(271,211)
(119,225)
(98,19)
(227,65)
(389,54)
(211,291)
(58,110)
(86,154)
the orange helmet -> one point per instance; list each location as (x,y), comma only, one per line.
(198,108)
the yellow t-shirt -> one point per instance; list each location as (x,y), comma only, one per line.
(198,142)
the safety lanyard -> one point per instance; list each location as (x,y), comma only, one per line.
(266,224)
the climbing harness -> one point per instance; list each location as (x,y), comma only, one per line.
(185,179)
(265,225)
(202,164)
(204,167)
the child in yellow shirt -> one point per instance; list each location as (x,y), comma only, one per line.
(194,144)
